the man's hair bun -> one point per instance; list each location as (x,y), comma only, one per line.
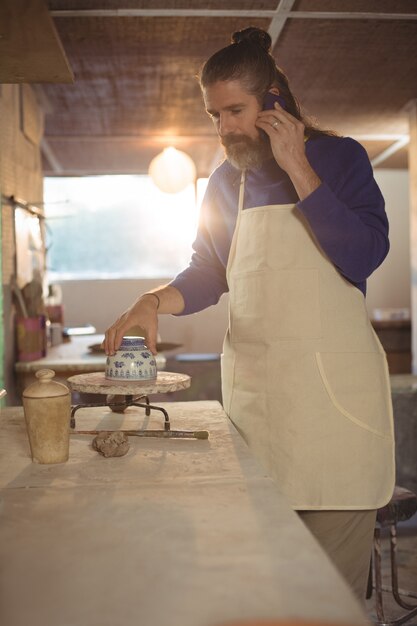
(255,36)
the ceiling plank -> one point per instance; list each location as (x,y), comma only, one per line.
(134,76)
(30,49)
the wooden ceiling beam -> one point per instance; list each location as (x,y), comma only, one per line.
(51,157)
(30,49)
(142,139)
(278,21)
(161,13)
(385,154)
(349,15)
(377,137)
(288,14)
(198,137)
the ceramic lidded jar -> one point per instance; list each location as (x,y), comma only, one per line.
(132,361)
(47,407)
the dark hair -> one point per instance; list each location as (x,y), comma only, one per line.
(248,59)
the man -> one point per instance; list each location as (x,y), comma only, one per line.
(292,225)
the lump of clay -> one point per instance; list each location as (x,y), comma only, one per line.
(111,443)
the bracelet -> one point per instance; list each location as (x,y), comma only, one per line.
(150,293)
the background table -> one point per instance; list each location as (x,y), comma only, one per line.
(175,533)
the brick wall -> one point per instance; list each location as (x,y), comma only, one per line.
(21,129)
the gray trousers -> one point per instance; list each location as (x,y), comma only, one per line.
(346,537)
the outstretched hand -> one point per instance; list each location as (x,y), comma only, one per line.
(142,313)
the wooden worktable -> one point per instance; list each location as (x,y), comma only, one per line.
(175,533)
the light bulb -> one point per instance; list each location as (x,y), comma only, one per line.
(172,170)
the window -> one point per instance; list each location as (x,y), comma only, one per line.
(118,227)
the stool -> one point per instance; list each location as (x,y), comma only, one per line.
(401,507)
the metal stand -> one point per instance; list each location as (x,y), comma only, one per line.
(117,406)
(131,400)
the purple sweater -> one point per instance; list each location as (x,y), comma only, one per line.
(346,213)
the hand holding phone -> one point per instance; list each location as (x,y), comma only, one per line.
(284,131)
(270,100)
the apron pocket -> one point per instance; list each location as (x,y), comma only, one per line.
(275,304)
(358,387)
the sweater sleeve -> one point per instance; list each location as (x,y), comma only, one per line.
(204,280)
(347,215)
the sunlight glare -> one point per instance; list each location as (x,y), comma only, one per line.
(124,226)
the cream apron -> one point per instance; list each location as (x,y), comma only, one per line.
(304,377)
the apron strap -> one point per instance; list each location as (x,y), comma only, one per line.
(235,233)
(241,192)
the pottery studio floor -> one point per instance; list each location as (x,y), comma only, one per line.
(407,571)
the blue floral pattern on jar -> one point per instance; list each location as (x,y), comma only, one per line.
(126,364)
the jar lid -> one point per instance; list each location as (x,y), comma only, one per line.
(45,387)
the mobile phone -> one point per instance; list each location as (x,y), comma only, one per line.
(270,100)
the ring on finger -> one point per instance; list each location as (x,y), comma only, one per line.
(275,124)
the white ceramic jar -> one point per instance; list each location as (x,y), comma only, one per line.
(47,407)
(132,361)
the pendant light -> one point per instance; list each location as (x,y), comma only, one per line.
(172,170)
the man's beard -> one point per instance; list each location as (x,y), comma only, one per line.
(244,153)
